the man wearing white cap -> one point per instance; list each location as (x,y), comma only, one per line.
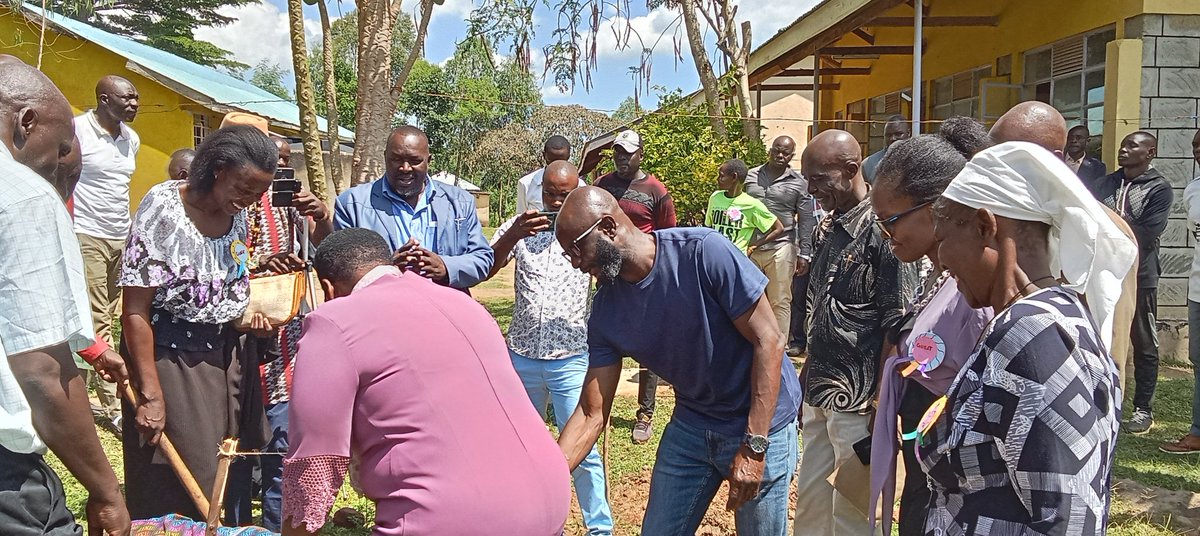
(649,206)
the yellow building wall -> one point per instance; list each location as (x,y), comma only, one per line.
(164,122)
(1022,25)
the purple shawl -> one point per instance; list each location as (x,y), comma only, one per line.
(948,327)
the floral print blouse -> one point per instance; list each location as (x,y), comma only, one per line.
(198,279)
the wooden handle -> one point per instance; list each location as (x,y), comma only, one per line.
(181,471)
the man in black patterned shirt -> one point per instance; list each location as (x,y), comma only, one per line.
(858,291)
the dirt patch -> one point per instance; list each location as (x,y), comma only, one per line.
(1176,510)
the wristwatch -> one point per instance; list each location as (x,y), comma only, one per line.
(757,443)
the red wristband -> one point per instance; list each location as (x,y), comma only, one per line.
(93,352)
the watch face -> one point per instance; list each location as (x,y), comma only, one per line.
(757,444)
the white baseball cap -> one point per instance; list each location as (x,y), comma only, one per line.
(628,140)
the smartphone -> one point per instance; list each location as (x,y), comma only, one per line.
(862,449)
(552,216)
(284,187)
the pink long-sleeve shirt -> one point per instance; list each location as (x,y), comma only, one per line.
(415,380)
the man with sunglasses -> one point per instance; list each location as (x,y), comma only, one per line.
(858,294)
(547,339)
(785,258)
(689,305)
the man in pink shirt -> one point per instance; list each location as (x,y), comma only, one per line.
(414,381)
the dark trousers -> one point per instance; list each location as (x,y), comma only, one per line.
(647,387)
(799,311)
(1145,348)
(32,500)
(915,496)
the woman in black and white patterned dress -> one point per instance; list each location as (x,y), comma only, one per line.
(1023,442)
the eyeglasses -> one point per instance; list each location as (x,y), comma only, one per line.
(574,251)
(884,224)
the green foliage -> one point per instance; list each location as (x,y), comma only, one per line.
(269,77)
(506,154)
(628,110)
(344,32)
(163,24)
(681,150)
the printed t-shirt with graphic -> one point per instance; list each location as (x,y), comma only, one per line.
(737,218)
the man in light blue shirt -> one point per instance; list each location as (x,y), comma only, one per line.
(431,226)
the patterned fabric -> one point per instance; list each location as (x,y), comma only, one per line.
(550,314)
(197,278)
(43,297)
(859,291)
(310,486)
(177,525)
(1025,444)
(263,244)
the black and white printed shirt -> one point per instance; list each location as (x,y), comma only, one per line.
(858,292)
(550,314)
(1026,441)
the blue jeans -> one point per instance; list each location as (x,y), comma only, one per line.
(272,467)
(692,464)
(561,380)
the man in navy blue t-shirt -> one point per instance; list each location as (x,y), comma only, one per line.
(689,306)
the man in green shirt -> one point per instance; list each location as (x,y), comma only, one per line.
(735,214)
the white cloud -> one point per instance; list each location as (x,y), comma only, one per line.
(258,32)
(767,17)
(621,37)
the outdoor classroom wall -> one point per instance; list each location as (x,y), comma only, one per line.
(1022,25)
(75,66)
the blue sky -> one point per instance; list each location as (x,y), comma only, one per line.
(261,33)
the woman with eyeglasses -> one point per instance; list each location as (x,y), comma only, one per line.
(941,329)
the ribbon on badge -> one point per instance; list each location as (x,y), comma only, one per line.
(931,416)
(927,351)
(241,257)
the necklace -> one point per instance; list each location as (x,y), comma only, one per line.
(931,292)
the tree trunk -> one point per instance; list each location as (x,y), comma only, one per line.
(309,132)
(331,110)
(740,61)
(708,80)
(375,102)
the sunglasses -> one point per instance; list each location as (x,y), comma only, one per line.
(885,224)
(574,251)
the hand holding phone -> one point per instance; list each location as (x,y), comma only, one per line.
(284,187)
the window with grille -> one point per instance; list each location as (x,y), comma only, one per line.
(200,129)
(1069,75)
(879,109)
(957,94)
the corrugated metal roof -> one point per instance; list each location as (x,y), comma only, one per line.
(208,86)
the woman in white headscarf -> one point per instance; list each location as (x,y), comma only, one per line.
(1023,442)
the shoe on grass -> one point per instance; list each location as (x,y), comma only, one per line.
(1140,423)
(1189,444)
(795,350)
(641,431)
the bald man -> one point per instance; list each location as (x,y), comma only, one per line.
(432,227)
(180,164)
(688,305)
(858,293)
(547,339)
(101,204)
(1040,124)
(43,319)
(1143,197)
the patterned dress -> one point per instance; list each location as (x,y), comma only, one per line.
(272,230)
(1026,441)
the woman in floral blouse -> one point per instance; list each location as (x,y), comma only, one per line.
(185,276)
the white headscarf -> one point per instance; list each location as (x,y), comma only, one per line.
(1023,181)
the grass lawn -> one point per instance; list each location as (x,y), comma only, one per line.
(629,465)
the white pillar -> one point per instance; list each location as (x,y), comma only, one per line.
(918,48)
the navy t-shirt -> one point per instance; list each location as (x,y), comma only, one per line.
(678,322)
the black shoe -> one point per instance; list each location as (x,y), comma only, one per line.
(795,350)
(1141,421)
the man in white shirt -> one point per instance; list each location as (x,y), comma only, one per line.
(547,339)
(101,200)
(43,318)
(529,187)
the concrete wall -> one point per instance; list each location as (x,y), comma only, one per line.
(1170,102)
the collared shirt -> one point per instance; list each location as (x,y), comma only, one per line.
(43,295)
(1025,443)
(102,196)
(1074,163)
(787,197)
(417,222)
(858,291)
(550,314)
(375,274)
(529,191)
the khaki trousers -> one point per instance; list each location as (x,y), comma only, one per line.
(828,455)
(779,265)
(102,266)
